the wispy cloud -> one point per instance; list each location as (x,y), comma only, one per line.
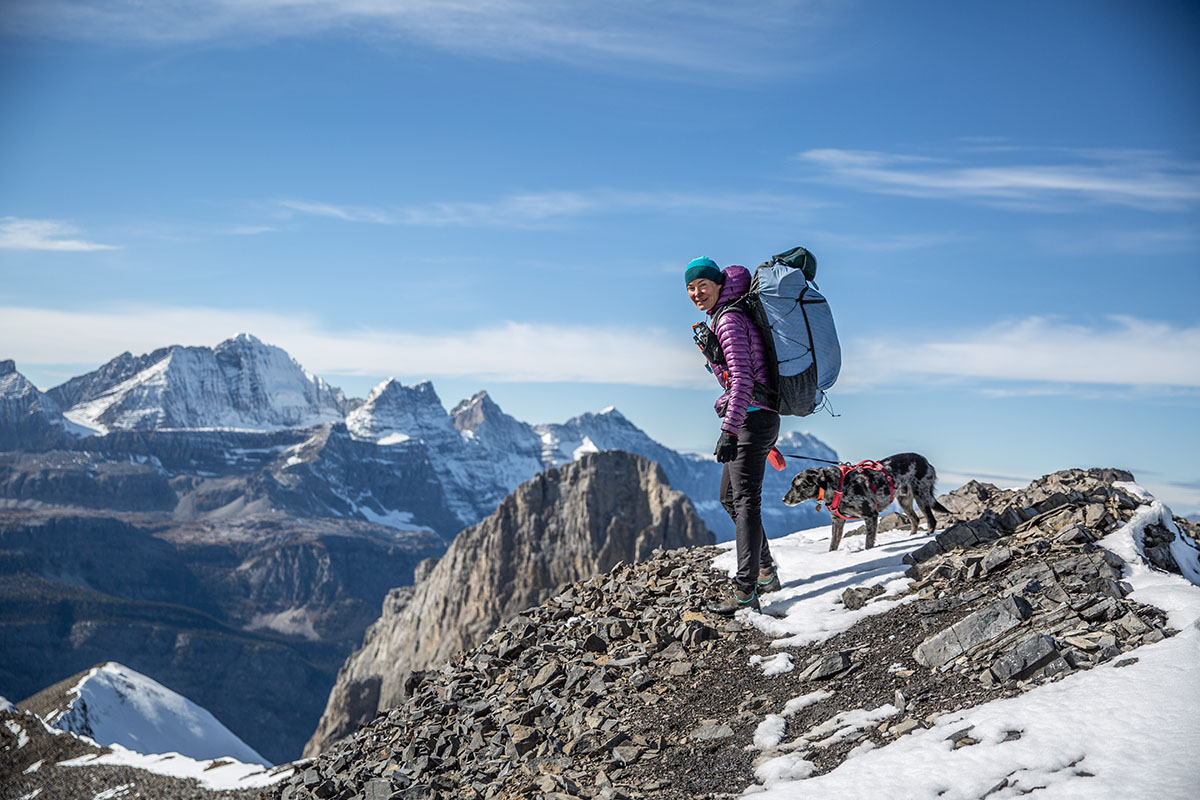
(886,243)
(1056,355)
(671,33)
(44,234)
(250,230)
(1124,178)
(1036,354)
(501,352)
(1153,241)
(543,209)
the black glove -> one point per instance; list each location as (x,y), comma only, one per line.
(726,447)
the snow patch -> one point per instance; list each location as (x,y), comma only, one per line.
(769,732)
(804,701)
(776,665)
(215,774)
(292,622)
(18,731)
(586,446)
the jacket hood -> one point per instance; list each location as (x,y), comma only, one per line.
(737,283)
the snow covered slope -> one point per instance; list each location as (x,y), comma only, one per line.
(113,704)
(1124,729)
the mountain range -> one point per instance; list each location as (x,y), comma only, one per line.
(246,409)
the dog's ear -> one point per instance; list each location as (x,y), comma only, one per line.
(824,481)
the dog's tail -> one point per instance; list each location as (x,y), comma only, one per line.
(939,507)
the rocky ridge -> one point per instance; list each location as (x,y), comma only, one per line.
(559,527)
(621,686)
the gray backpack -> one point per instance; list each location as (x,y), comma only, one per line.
(804,355)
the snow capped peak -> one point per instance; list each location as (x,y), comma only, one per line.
(393,393)
(13,384)
(28,417)
(394,412)
(480,398)
(114,704)
(241,383)
(610,410)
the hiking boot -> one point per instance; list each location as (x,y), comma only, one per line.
(734,601)
(768,580)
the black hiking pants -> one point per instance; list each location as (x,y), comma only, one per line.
(741,494)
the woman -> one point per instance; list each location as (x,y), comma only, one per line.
(749,426)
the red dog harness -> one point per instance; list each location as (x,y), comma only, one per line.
(866,467)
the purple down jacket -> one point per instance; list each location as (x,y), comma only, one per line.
(742,345)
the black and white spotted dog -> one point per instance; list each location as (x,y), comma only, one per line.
(865,493)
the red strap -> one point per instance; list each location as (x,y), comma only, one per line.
(865,466)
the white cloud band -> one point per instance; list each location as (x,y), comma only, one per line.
(1124,352)
(504,352)
(1050,353)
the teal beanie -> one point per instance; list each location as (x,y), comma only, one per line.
(703,267)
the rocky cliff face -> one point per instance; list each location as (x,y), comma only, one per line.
(560,527)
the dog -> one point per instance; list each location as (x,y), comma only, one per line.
(865,492)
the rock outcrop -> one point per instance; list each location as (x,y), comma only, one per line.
(606,690)
(562,526)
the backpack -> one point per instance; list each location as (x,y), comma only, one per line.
(803,352)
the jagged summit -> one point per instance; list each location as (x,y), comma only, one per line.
(29,418)
(481,422)
(241,383)
(395,413)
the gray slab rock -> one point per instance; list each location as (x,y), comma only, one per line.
(1025,658)
(978,627)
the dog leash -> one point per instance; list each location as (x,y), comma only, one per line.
(775,458)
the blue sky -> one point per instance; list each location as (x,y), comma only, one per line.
(1003,199)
